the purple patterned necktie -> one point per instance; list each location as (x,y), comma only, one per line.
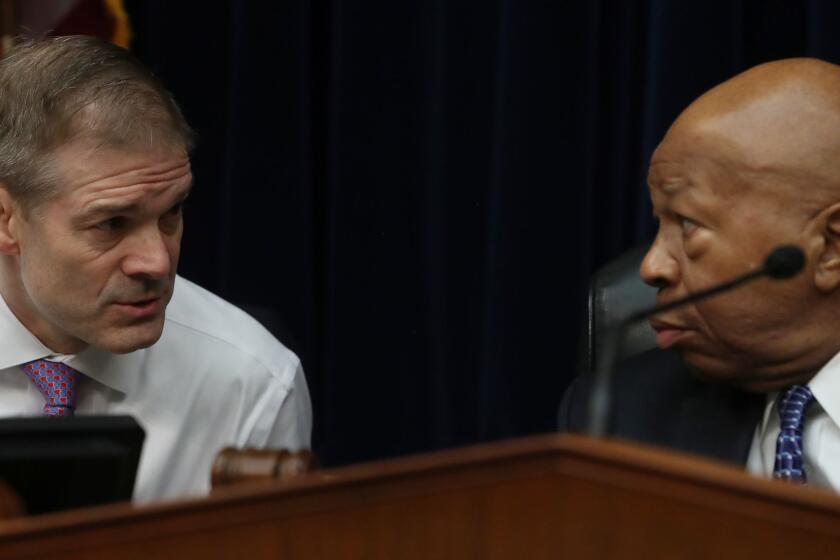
(57,382)
(792,410)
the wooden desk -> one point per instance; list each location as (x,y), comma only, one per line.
(547,496)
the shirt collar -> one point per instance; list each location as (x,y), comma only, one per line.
(769,407)
(19,346)
(825,387)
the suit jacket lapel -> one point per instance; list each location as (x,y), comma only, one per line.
(717,421)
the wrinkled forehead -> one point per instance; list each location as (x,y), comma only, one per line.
(695,157)
(87,169)
(705,166)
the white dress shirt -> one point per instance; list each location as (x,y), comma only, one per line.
(821,438)
(215,378)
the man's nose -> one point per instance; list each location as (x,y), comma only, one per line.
(149,255)
(659,268)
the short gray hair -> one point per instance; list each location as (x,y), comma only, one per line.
(57,89)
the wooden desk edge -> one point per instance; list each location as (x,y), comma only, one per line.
(563,447)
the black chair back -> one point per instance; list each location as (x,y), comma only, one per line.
(617,291)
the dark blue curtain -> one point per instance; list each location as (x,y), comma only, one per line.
(421,189)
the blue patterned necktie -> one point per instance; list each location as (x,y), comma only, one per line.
(57,383)
(792,410)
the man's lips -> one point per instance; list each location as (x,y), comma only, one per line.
(667,333)
(139,308)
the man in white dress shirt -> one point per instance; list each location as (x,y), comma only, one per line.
(94,169)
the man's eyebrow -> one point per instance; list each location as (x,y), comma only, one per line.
(99,208)
(669,187)
(673,187)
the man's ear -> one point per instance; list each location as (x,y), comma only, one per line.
(9,215)
(827,263)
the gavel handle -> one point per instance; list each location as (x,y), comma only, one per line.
(235,466)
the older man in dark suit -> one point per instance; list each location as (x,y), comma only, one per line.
(753,375)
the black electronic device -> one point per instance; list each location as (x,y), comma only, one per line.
(64,463)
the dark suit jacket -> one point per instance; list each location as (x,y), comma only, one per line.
(656,400)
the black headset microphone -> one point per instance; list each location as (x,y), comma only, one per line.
(783,262)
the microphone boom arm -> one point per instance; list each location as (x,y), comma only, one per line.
(783,262)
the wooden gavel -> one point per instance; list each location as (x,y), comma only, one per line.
(234,466)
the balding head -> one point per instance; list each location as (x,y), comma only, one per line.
(752,164)
(778,122)
(814,82)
